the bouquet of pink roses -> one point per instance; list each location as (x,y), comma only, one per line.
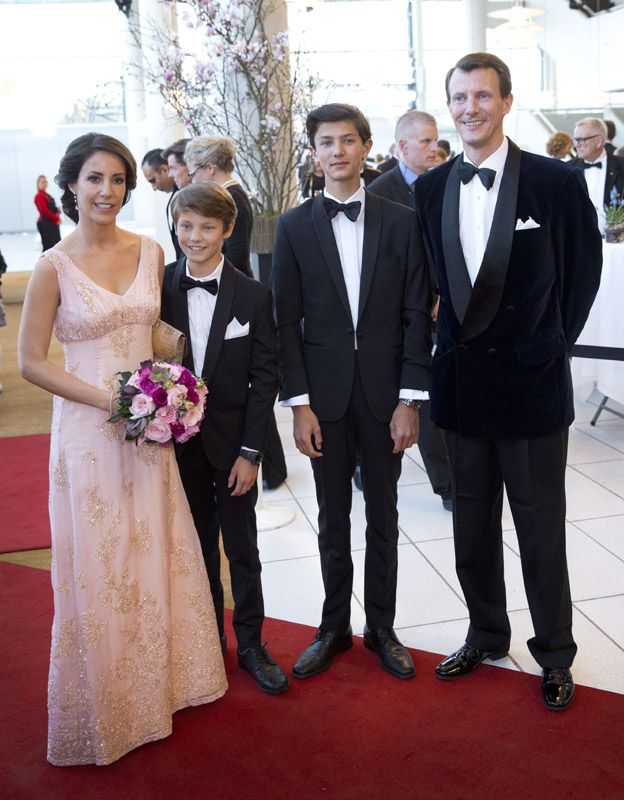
(159,402)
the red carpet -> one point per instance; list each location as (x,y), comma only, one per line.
(353,733)
(24,521)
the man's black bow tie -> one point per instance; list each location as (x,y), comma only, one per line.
(187,283)
(350,210)
(597,164)
(468,171)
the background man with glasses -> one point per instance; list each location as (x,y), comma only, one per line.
(602,171)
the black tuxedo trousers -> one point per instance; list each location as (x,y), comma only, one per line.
(533,472)
(358,431)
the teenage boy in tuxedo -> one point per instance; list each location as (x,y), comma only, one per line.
(352,305)
(227,319)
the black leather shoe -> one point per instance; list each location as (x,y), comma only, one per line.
(268,675)
(447,503)
(318,656)
(464,661)
(392,654)
(557,688)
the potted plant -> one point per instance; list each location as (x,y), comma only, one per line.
(614,218)
(230,73)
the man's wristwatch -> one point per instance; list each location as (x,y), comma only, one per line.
(411,403)
(254,456)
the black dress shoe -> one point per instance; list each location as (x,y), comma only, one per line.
(557,688)
(464,661)
(318,656)
(447,503)
(392,654)
(268,675)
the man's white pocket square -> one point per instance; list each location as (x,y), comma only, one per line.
(526,225)
(234,330)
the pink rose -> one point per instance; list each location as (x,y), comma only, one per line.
(176,395)
(142,406)
(167,414)
(134,380)
(175,370)
(192,417)
(187,433)
(158,431)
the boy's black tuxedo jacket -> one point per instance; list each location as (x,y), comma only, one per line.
(241,373)
(316,334)
(501,368)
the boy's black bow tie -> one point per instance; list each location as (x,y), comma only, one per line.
(597,164)
(187,283)
(350,210)
(468,171)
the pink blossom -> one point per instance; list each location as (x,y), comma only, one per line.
(167,414)
(187,434)
(158,431)
(176,395)
(192,417)
(142,406)
(175,370)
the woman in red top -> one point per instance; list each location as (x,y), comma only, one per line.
(49,221)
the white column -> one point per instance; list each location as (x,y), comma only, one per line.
(476,23)
(149,125)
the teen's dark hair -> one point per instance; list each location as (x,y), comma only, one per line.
(483,61)
(79,151)
(208,199)
(176,149)
(337,112)
(154,159)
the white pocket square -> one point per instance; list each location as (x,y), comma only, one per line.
(234,330)
(526,226)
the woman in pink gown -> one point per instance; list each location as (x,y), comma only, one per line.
(134,636)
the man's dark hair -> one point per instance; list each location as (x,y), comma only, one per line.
(153,158)
(445,145)
(483,61)
(610,129)
(176,149)
(337,112)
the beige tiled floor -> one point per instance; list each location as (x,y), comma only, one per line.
(431,613)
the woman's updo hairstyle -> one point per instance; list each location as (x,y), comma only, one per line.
(75,156)
(217,150)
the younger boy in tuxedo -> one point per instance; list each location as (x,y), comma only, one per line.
(227,319)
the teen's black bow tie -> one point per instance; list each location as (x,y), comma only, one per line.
(468,171)
(187,283)
(597,164)
(350,210)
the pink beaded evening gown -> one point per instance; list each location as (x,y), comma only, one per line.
(134,636)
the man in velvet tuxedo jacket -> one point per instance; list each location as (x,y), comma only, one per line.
(352,305)
(517,256)
(228,321)
(416,141)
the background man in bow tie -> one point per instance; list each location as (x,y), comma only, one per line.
(416,143)
(603,171)
(352,304)
(517,256)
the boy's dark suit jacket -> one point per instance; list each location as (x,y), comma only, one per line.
(316,342)
(501,369)
(241,372)
(615,175)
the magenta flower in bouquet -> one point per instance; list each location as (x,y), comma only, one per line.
(160,402)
